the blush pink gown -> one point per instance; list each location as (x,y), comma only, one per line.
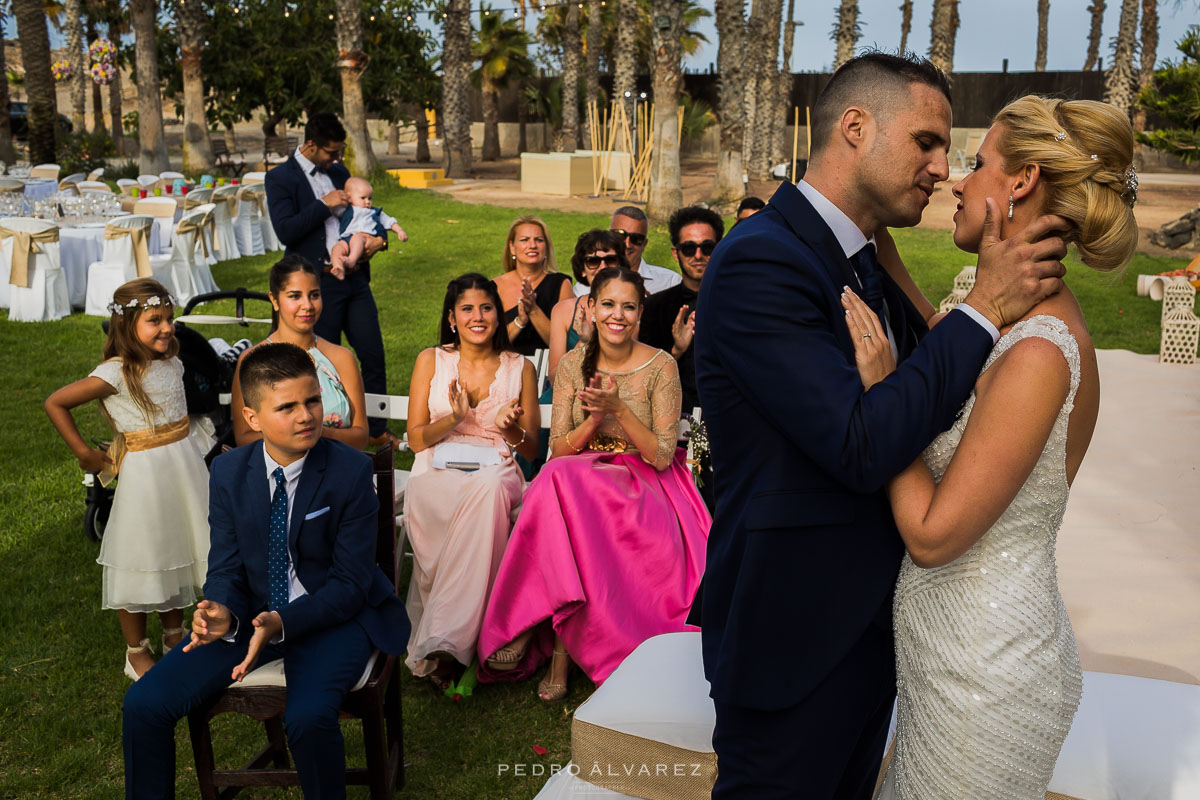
(608,548)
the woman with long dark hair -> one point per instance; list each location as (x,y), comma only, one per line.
(472,405)
(609,547)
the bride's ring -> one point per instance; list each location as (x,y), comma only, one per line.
(866,336)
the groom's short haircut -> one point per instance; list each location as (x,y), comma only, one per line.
(877,82)
(269,364)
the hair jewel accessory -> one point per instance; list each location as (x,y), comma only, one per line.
(154,301)
(1061,136)
(1095,157)
(1131,185)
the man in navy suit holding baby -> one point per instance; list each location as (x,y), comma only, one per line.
(291,575)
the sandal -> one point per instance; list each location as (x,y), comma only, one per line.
(180,631)
(442,676)
(507,658)
(130,672)
(553,692)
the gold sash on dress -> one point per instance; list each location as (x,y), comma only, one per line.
(197,227)
(141,251)
(145,439)
(25,244)
(641,767)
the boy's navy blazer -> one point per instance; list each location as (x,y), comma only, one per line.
(331,538)
(297,215)
(803,552)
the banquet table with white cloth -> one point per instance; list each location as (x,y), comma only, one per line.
(80,246)
(40,189)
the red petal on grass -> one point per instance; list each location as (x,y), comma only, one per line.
(541,751)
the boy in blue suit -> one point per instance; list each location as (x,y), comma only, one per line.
(291,575)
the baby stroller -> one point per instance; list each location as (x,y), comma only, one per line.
(208,368)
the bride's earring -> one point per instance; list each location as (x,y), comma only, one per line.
(1010,206)
(453,328)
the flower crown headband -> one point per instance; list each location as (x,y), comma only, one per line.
(153,301)
(1130,178)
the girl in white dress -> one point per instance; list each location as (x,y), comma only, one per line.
(155,546)
(988,674)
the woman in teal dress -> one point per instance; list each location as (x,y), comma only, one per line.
(295,288)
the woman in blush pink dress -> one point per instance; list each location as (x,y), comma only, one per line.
(473,404)
(610,543)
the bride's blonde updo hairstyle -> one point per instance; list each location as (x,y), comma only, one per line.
(1085,151)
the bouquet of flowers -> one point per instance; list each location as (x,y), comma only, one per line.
(103,72)
(62,71)
(102,51)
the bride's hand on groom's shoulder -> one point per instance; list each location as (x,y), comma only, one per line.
(872,353)
(1017,273)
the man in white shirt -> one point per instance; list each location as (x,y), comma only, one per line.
(631,222)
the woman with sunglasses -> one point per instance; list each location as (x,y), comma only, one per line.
(530,285)
(569,323)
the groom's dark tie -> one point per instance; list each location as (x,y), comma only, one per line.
(867,268)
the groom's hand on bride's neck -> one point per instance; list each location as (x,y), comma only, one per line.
(1017,273)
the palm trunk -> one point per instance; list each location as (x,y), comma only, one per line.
(1093,51)
(1149,56)
(7,152)
(393,140)
(351,63)
(1120,80)
(591,80)
(153,140)
(75,46)
(97,97)
(197,149)
(728,187)
(491,120)
(781,147)
(570,81)
(625,69)
(846,33)
(115,112)
(1043,18)
(767,129)
(456,86)
(942,31)
(905,24)
(765,37)
(39,83)
(666,191)
(422,123)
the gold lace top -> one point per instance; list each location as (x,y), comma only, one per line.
(651,391)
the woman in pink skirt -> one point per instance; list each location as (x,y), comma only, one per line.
(609,545)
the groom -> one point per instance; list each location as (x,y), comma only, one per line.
(803,552)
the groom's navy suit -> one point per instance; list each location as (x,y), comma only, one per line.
(803,552)
(349,609)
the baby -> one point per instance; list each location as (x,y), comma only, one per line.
(359,222)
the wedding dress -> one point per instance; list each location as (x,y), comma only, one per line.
(987,670)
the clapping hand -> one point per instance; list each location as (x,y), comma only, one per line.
(460,402)
(210,622)
(527,301)
(508,414)
(872,353)
(600,398)
(267,626)
(683,329)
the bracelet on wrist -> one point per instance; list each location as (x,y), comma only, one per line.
(520,325)
(518,444)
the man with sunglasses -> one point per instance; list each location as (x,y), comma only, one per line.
(631,222)
(306,196)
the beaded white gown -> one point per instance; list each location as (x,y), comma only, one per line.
(988,675)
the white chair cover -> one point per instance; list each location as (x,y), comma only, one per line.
(193,253)
(45,171)
(46,298)
(75,177)
(95,186)
(251,178)
(125,183)
(172,176)
(117,267)
(270,239)
(162,208)
(227,246)
(147,181)
(96,174)
(193,200)
(177,271)
(248,225)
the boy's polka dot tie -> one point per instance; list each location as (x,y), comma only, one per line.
(277,571)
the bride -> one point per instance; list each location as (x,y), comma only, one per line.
(987,669)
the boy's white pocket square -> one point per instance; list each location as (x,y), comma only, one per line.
(316,513)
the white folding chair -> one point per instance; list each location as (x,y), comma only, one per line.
(43,295)
(45,171)
(541,365)
(119,264)
(252,201)
(94,186)
(96,174)
(147,181)
(225,199)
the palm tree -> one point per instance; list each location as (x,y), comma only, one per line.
(39,83)
(731,109)
(666,192)
(502,51)
(625,64)
(571,45)
(761,82)
(153,140)
(905,24)
(942,32)
(456,89)
(190,17)
(1149,56)
(1120,81)
(351,63)
(1093,51)
(780,147)
(1043,19)
(7,153)
(591,51)
(846,32)
(74,14)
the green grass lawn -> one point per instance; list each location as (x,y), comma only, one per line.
(61,657)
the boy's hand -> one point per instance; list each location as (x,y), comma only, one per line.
(93,460)
(338,271)
(267,626)
(209,623)
(400,234)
